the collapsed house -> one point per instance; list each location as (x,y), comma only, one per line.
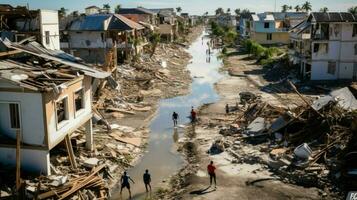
(101,37)
(139,15)
(324,46)
(45,95)
(167,23)
(20,23)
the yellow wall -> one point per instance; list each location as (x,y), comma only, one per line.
(278,37)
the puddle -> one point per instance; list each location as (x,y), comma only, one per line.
(161,157)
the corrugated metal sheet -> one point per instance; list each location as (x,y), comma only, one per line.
(90,23)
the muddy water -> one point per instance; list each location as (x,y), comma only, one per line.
(161,157)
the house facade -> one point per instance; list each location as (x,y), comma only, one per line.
(167,23)
(244,24)
(20,23)
(92,37)
(44,105)
(273,28)
(325,46)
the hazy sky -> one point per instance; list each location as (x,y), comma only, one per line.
(191,6)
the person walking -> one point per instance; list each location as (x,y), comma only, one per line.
(212,175)
(125,183)
(193,115)
(175,117)
(227,108)
(147,180)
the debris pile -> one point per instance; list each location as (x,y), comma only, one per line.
(310,145)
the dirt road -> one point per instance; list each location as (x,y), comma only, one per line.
(236,180)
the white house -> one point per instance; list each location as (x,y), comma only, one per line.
(43,102)
(325,46)
(20,23)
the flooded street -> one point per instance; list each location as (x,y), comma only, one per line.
(161,157)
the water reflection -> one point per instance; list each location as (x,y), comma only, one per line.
(161,158)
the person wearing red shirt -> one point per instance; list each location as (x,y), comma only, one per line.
(212,175)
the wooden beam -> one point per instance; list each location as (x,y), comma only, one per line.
(7,53)
(18,160)
(71,156)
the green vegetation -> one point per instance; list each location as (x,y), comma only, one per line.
(117,9)
(228,34)
(154,40)
(353,10)
(264,55)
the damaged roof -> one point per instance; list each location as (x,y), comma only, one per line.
(40,69)
(103,22)
(333,17)
(138,10)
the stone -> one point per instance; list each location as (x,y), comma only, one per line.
(91,162)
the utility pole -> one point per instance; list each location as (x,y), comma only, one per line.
(275,6)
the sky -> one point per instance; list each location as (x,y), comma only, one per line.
(197,7)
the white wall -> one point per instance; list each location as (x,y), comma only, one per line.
(346,71)
(319,71)
(348,52)
(37,161)
(332,54)
(31,116)
(49,22)
(347,32)
(87,39)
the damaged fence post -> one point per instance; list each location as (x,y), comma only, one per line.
(89,134)
(72,159)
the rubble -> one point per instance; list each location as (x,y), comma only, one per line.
(309,145)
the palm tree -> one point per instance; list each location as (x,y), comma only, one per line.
(106,7)
(117,9)
(237,11)
(306,6)
(219,11)
(285,8)
(228,10)
(179,9)
(324,9)
(245,12)
(297,8)
(206,13)
(62,12)
(353,10)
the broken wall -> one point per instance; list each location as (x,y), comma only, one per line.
(57,131)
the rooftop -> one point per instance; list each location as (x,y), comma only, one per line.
(138,10)
(39,69)
(333,17)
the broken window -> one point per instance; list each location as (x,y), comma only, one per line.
(354,31)
(269,36)
(79,99)
(47,37)
(62,110)
(14,115)
(266,25)
(331,69)
(316,47)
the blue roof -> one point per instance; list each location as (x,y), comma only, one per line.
(90,23)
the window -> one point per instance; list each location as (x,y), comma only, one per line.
(79,100)
(355,49)
(331,68)
(354,31)
(266,25)
(14,115)
(269,36)
(47,37)
(62,110)
(316,47)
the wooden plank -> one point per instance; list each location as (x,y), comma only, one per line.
(18,160)
(69,147)
(9,53)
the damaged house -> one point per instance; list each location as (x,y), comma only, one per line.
(140,15)
(167,23)
(273,28)
(45,95)
(18,23)
(325,46)
(94,37)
